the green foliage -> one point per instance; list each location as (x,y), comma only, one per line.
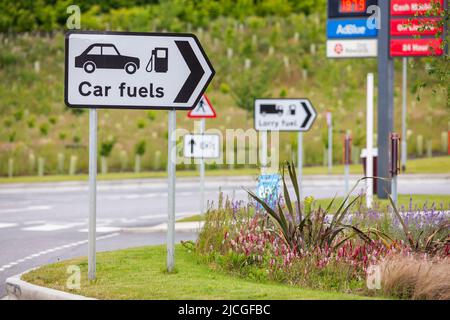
(7,122)
(52,120)
(429,241)
(252,84)
(18,115)
(76,139)
(140,123)
(107,146)
(31,122)
(48,15)
(140,148)
(151,115)
(308,229)
(43,129)
(62,136)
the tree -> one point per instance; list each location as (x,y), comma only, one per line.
(439,67)
(252,84)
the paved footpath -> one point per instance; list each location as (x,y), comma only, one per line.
(42,223)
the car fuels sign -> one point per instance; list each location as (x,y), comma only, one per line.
(127,70)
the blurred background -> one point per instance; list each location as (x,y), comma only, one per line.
(270,48)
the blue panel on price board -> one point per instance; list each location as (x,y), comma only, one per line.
(350,28)
(269,189)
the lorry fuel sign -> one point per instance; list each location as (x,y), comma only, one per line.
(284,114)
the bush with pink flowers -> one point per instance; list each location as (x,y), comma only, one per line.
(308,247)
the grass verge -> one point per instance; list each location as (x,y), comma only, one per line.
(424,166)
(139,273)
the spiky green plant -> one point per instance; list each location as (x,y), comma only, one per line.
(308,228)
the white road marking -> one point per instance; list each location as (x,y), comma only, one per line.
(49,227)
(155,216)
(7,225)
(102,229)
(27,223)
(44,252)
(29,208)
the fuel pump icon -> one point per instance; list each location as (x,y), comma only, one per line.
(159,60)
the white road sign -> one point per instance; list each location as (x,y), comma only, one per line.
(361,48)
(284,114)
(201,146)
(135,70)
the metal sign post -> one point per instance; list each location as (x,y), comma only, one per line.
(395,139)
(385,100)
(171,172)
(347,161)
(404,154)
(369,142)
(330,142)
(263,151)
(300,163)
(202,172)
(92,193)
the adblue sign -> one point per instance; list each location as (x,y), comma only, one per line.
(351,28)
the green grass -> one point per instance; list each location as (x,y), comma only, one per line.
(194,218)
(418,200)
(424,166)
(139,273)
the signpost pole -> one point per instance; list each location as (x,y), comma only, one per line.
(347,161)
(202,173)
(171,171)
(404,101)
(263,153)
(330,142)
(385,100)
(92,192)
(369,142)
(300,162)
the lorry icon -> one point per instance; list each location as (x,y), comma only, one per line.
(105,56)
(270,109)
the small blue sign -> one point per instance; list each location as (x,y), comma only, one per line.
(269,189)
(351,28)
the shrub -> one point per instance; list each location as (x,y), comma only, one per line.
(416,277)
(151,116)
(140,147)
(43,129)
(107,146)
(307,229)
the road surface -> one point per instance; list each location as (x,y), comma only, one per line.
(46,222)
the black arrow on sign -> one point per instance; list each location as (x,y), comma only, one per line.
(308,114)
(196,69)
(192,143)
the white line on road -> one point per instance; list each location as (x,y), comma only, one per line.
(51,227)
(7,225)
(44,252)
(29,208)
(102,229)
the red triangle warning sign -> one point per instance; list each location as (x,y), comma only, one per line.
(203,109)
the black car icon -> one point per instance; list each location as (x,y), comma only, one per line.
(105,56)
